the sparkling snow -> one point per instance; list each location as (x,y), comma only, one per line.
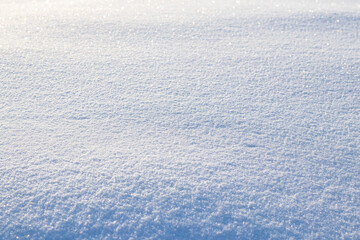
(179,120)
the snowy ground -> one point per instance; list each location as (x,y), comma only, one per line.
(179,120)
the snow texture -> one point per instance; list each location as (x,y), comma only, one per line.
(179,120)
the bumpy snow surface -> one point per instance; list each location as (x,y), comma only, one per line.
(179,120)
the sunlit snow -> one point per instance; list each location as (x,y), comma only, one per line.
(160,119)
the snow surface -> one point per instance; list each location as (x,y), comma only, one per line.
(179,120)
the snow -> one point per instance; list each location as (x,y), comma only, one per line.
(179,120)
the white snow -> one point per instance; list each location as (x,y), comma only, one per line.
(179,120)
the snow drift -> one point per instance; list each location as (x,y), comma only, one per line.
(179,120)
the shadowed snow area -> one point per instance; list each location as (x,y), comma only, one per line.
(179,120)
